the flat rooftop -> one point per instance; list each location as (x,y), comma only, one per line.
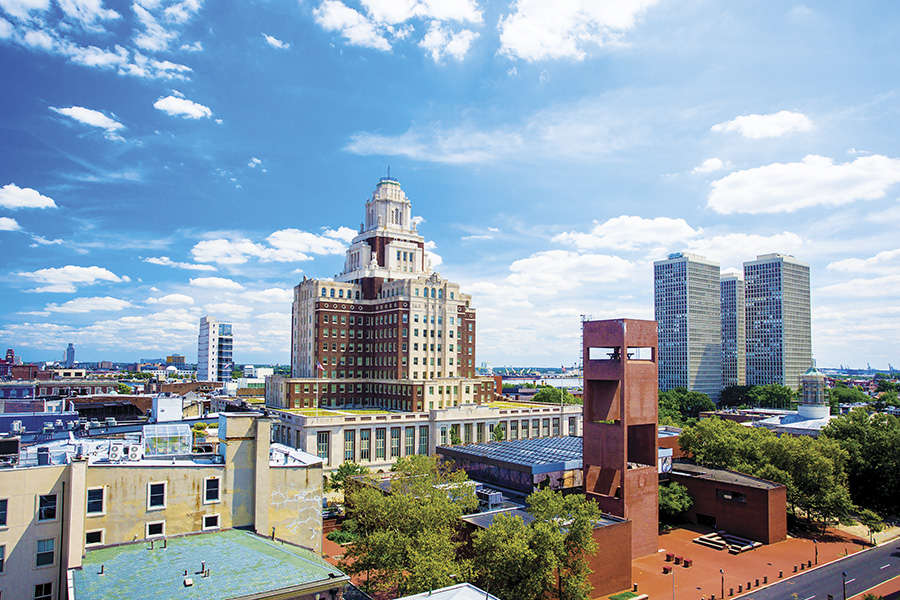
(681,467)
(240,564)
(460,591)
(540,455)
(486,519)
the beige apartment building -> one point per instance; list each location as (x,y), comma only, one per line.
(65,499)
(377,438)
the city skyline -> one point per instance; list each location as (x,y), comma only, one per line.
(146,186)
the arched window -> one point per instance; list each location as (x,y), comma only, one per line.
(332,292)
(324,293)
(340,293)
(432,292)
(440,293)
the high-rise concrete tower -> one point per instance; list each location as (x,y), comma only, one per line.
(734,342)
(779,335)
(214,350)
(687,303)
(70,356)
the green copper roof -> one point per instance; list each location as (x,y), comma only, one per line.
(239,562)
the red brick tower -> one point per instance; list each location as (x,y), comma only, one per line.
(620,424)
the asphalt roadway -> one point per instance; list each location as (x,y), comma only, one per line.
(863,570)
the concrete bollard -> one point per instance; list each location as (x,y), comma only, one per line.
(756,583)
(765,579)
(740,588)
(731,591)
(802,567)
(808,563)
(795,568)
(634,588)
(780,573)
(748,585)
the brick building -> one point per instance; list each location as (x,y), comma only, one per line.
(388,331)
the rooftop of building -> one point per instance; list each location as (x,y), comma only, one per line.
(795,421)
(540,455)
(460,591)
(689,469)
(484,520)
(239,563)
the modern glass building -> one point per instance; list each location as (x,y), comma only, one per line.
(214,350)
(687,306)
(779,334)
(734,341)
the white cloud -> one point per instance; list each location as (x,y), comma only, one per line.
(218,283)
(86,305)
(40,240)
(270,296)
(710,165)
(165,261)
(815,181)
(6,29)
(192,47)
(537,29)
(22,9)
(434,259)
(94,118)
(36,38)
(733,249)
(177,106)
(275,42)
(12,196)
(174,299)
(440,42)
(886,286)
(284,245)
(87,12)
(66,279)
(629,232)
(228,309)
(155,37)
(757,127)
(552,271)
(181,12)
(254,162)
(883,263)
(400,11)
(341,233)
(356,28)
(8,224)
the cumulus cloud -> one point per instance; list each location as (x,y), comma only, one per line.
(94,118)
(154,37)
(275,42)
(182,12)
(341,233)
(440,42)
(815,181)
(356,28)
(885,286)
(630,232)
(174,299)
(399,11)
(8,224)
(66,279)
(86,305)
(538,30)
(710,165)
(178,106)
(228,309)
(552,271)
(284,245)
(733,249)
(270,296)
(254,162)
(12,196)
(883,263)
(165,261)
(757,127)
(217,283)
(88,13)
(22,9)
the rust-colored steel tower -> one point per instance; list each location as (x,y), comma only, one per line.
(620,424)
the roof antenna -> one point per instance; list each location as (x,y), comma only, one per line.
(389,171)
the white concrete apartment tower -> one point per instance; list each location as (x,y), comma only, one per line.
(214,350)
(687,304)
(734,342)
(779,334)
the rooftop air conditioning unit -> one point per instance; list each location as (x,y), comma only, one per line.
(134,452)
(115,452)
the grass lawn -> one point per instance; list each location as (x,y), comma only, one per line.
(623,596)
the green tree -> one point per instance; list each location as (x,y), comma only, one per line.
(455,440)
(346,469)
(843,394)
(680,406)
(871,521)
(735,395)
(553,395)
(872,443)
(497,433)
(772,396)
(511,563)
(122,388)
(425,497)
(433,562)
(674,499)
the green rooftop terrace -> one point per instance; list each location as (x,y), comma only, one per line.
(240,563)
(334,412)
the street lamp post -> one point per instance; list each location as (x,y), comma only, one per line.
(816,546)
(722,572)
(844,583)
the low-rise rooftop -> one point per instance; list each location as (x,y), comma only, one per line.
(460,591)
(540,455)
(689,469)
(236,563)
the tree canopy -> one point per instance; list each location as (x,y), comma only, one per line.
(814,470)
(674,499)
(553,395)
(679,406)
(346,469)
(758,396)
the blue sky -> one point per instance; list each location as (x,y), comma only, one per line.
(164,160)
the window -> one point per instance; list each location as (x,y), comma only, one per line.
(47,507)
(572,425)
(93,538)
(43,591)
(156,495)
(2,557)
(44,555)
(156,529)
(95,501)
(364,445)
(423,440)
(395,442)
(210,522)
(379,443)
(730,496)
(3,504)
(349,445)
(211,490)
(322,445)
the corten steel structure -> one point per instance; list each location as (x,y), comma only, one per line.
(620,424)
